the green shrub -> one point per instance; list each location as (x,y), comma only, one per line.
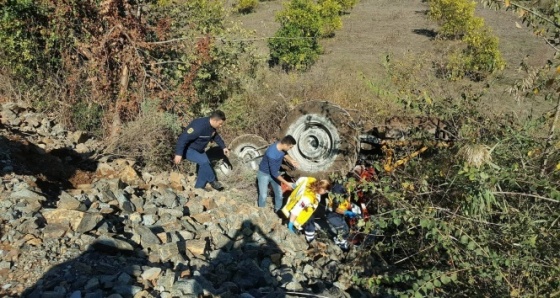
(330,15)
(247,6)
(456,17)
(295,45)
(482,55)
(87,117)
(479,58)
(32,38)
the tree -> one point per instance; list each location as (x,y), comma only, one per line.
(456,17)
(330,14)
(295,45)
(112,55)
(480,55)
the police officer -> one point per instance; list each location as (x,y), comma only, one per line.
(192,144)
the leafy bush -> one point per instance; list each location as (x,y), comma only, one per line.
(247,6)
(456,17)
(474,222)
(330,15)
(87,117)
(117,53)
(29,44)
(481,55)
(479,58)
(295,45)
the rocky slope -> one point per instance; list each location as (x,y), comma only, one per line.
(75,223)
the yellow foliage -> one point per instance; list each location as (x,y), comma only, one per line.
(455,16)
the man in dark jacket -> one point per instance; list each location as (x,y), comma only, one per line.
(269,171)
(192,144)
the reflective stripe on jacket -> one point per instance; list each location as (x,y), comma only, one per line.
(304,199)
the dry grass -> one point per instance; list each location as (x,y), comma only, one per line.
(150,139)
(475,154)
(352,70)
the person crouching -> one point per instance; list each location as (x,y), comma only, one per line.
(303,201)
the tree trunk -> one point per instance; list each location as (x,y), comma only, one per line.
(117,122)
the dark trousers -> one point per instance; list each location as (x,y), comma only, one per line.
(337,224)
(205,172)
(309,229)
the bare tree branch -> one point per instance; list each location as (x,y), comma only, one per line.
(525,194)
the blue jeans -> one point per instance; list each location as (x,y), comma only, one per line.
(205,172)
(263,180)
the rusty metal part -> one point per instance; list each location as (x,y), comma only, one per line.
(387,146)
(404,127)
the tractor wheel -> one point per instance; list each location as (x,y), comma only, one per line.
(247,150)
(326,139)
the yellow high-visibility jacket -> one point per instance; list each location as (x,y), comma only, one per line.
(305,199)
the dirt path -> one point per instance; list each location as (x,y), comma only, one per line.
(373,29)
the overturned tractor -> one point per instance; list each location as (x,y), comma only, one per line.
(330,141)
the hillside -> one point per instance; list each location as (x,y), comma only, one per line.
(78,225)
(356,56)
(473,216)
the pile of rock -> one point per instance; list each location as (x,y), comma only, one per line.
(130,234)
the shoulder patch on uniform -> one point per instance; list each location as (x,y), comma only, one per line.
(190,130)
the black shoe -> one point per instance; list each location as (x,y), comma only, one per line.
(217,185)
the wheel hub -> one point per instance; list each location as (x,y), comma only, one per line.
(317,142)
(247,156)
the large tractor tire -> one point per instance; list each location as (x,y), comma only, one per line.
(326,139)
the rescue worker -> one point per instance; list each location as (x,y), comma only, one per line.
(338,206)
(340,209)
(303,201)
(192,144)
(269,171)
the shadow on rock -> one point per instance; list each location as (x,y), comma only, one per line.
(107,267)
(55,170)
(248,265)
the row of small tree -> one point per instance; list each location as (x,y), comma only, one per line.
(479,54)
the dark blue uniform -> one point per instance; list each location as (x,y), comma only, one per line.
(191,145)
